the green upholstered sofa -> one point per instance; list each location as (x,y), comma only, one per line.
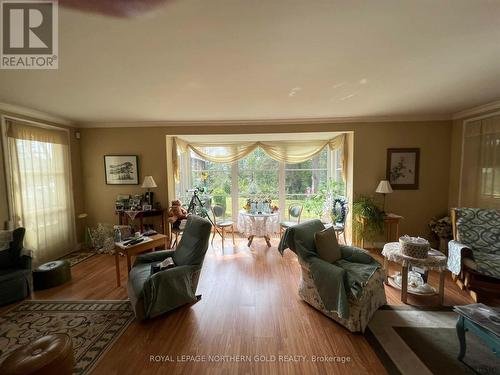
(155,294)
(474,252)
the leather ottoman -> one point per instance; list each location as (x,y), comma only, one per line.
(47,355)
(51,274)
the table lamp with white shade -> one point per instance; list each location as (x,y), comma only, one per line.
(149,183)
(384,187)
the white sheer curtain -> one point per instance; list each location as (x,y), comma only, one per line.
(41,193)
(480,183)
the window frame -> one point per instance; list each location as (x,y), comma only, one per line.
(333,172)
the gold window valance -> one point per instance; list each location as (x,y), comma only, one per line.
(22,130)
(284,151)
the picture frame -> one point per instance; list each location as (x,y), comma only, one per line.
(147,207)
(403,168)
(121,169)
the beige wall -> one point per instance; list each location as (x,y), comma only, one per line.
(147,143)
(370,143)
(455,162)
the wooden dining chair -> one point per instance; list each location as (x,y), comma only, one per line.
(219,214)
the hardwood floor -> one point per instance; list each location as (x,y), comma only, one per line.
(249,307)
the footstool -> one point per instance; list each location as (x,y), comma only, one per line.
(47,355)
(51,274)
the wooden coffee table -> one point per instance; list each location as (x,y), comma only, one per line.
(158,241)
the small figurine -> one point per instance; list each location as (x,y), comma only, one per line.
(176,213)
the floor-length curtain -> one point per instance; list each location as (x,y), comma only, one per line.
(41,191)
(480,184)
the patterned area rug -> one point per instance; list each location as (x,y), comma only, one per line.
(93,326)
(424,341)
(78,256)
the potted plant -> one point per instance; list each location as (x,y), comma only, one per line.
(368,218)
(442,229)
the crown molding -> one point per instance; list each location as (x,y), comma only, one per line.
(477,110)
(34,114)
(295,121)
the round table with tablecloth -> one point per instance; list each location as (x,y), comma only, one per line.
(435,260)
(258,224)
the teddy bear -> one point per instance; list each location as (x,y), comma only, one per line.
(176,213)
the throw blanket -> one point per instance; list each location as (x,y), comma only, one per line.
(335,282)
(487,264)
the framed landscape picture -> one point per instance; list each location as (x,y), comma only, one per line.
(403,168)
(121,169)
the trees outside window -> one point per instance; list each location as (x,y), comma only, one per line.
(230,185)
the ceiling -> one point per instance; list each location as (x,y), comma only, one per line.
(196,60)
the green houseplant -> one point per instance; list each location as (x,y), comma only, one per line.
(373,217)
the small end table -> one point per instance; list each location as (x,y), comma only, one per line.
(155,242)
(435,261)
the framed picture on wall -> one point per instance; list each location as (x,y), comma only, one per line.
(403,168)
(121,169)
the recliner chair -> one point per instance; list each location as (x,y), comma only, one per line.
(15,271)
(154,294)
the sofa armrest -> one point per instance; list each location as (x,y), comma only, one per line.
(155,256)
(356,255)
(174,272)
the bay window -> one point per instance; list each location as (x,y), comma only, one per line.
(231,183)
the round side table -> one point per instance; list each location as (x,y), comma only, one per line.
(435,261)
(260,225)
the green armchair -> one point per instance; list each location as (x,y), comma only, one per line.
(154,294)
(16,282)
(348,290)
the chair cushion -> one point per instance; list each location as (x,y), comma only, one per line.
(225,223)
(295,211)
(327,246)
(288,224)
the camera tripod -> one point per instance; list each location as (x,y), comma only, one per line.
(201,211)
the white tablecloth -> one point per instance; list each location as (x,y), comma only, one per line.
(435,261)
(258,224)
